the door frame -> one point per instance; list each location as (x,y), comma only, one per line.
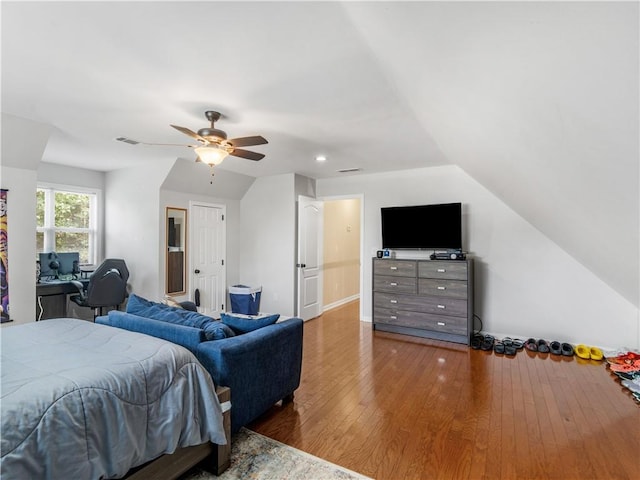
(361,197)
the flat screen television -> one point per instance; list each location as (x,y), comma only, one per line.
(437,226)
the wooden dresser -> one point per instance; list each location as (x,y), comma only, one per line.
(424,298)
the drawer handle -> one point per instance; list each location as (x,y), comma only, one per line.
(441,270)
(442,288)
(442,324)
(393,317)
(442,307)
(393,268)
(393,284)
(393,301)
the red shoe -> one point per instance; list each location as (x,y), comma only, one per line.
(630,366)
(624,358)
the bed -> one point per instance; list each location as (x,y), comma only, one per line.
(86,401)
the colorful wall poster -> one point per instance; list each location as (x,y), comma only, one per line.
(4,263)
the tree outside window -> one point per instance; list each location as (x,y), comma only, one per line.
(65,222)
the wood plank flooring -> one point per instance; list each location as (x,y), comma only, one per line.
(397,407)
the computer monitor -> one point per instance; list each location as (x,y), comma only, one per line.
(55,265)
(69,264)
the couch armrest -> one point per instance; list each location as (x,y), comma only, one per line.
(188,337)
(261,367)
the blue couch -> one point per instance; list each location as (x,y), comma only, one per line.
(260,367)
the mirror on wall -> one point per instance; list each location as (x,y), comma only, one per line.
(176,245)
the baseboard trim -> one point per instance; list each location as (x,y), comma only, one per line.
(339,303)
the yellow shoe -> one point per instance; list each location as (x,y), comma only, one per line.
(595,353)
(583,351)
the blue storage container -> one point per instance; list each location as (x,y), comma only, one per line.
(245,300)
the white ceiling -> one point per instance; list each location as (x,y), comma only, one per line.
(538,101)
(298,74)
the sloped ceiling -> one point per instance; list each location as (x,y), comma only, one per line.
(23,142)
(538,101)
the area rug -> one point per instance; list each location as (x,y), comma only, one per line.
(256,457)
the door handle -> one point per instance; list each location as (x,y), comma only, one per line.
(196,271)
(301,265)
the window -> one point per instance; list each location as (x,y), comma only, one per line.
(66,221)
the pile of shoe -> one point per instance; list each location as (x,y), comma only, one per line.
(626,366)
(510,346)
(506,346)
(555,348)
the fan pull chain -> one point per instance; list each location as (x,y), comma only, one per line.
(212,175)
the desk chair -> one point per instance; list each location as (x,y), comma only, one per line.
(107,286)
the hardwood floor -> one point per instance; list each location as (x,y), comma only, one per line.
(397,407)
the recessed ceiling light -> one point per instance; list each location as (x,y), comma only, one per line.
(321,158)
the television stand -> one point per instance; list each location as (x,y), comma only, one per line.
(424,298)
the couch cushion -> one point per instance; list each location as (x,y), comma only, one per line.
(216,330)
(157,311)
(247,323)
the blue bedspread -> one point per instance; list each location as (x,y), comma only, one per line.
(86,401)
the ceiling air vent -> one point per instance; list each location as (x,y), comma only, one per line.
(349,170)
(127,140)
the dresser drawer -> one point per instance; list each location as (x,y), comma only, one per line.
(429,304)
(442,287)
(389,283)
(422,321)
(400,268)
(456,270)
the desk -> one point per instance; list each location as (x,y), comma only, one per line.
(51,298)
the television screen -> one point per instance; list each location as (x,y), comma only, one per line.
(437,226)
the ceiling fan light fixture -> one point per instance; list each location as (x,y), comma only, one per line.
(211,154)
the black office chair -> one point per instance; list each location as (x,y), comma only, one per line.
(107,286)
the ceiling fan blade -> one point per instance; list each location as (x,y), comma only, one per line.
(247,141)
(191,133)
(131,141)
(238,152)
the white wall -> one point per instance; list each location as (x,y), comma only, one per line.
(64,175)
(526,286)
(134,223)
(267,241)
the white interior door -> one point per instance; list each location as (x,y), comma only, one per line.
(206,261)
(309,266)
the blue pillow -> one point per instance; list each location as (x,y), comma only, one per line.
(244,324)
(217,330)
(157,311)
